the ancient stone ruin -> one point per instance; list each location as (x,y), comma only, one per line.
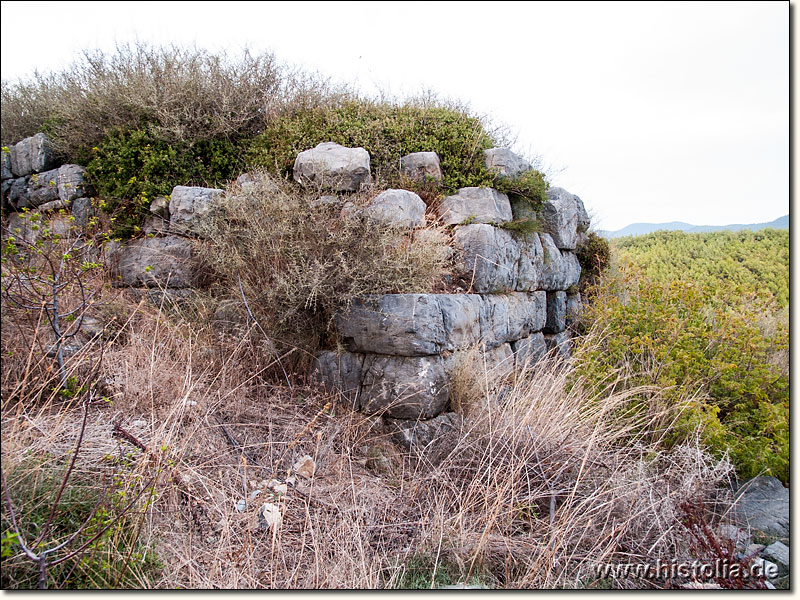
(397,352)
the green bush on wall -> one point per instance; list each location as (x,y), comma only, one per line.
(130,168)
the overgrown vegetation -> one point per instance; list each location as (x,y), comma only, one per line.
(713,337)
(145,119)
(300,262)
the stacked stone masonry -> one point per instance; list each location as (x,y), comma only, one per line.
(397,351)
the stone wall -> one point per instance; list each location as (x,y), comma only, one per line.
(397,352)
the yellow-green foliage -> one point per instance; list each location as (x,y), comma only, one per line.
(704,343)
(750,261)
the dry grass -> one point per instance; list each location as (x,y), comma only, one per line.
(188,94)
(538,487)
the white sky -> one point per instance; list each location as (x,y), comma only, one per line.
(650,112)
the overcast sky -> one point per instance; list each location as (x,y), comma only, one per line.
(650,112)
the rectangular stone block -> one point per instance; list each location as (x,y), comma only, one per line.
(400,387)
(556,312)
(530,350)
(475,205)
(487,258)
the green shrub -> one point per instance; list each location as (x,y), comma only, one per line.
(594,257)
(388,132)
(688,341)
(300,263)
(130,168)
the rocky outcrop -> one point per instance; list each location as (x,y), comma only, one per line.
(333,167)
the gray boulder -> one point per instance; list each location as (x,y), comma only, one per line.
(762,503)
(332,166)
(560,270)
(528,351)
(421,434)
(339,373)
(421,166)
(505,162)
(574,308)
(155,262)
(17,192)
(401,387)
(192,208)
(72,183)
(778,553)
(558,344)
(556,312)
(32,155)
(41,188)
(397,208)
(487,258)
(583,217)
(531,262)
(396,324)
(475,205)
(82,210)
(559,217)
(6,164)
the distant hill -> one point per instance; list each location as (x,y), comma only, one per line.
(645,228)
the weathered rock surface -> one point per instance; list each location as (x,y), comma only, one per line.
(332,166)
(397,208)
(461,318)
(559,344)
(531,262)
(421,165)
(17,192)
(476,205)
(20,228)
(72,183)
(556,312)
(32,155)
(505,162)
(487,258)
(528,351)
(192,208)
(41,188)
(560,270)
(778,553)
(396,324)
(574,308)
(510,317)
(6,165)
(762,503)
(499,362)
(155,262)
(340,373)
(583,217)
(560,218)
(404,387)
(420,434)
(160,207)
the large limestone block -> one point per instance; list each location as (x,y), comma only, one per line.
(505,162)
(530,350)
(461,315)
(397,208)
(556,312)
(192,208)
(32,155)
(333,167)
(487,258)
(583,217)
(574,308)
(475,205)
(762,504)
(559,217)
(560,270)
(531,262)
(396,324)
(155,262)
(421,166)
(72,183)
(340,373)
(510,317)
(41,188)
(400,387)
